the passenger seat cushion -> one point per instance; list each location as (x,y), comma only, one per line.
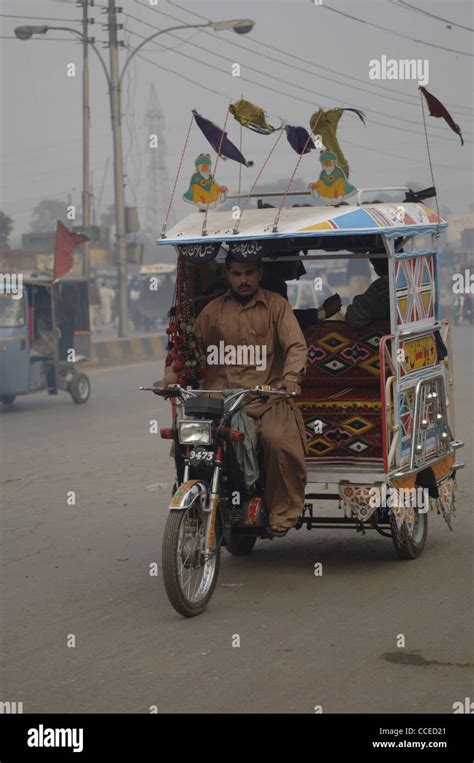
(341,356)
(340,394)
(342,430)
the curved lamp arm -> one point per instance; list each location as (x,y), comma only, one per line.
(157,34)
(26,32)
(92,44)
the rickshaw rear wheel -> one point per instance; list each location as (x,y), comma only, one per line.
(8,399)
(241,546)
(410,545)
(80,388)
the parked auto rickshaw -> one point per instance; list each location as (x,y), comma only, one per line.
(377,401)
(44,335)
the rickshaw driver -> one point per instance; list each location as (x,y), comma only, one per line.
(248,314)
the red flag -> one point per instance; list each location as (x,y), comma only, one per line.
(65,243)
(437,109)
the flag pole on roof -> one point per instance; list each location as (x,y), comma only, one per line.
(436,109)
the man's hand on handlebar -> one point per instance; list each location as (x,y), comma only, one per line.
(290,386)
(160,384)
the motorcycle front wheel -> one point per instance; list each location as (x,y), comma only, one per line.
(189,577)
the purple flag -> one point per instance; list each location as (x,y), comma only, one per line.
(217,137)
(299,139)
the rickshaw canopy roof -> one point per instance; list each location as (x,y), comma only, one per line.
(389,219)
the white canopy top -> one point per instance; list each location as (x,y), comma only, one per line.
(295,222)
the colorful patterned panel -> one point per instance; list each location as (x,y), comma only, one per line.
(339,355)
(407,402)
(415,289)
(342,429)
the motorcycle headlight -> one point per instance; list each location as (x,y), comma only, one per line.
(195,432)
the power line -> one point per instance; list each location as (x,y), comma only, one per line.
(289,95)
(408,7)
(348,142)
(40,39)
(35,18)
(397,34)
(292,66)
(181,76)
(254,40)
(286,82)
(291,55)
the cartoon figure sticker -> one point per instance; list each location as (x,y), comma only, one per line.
(202,188)
(333,184)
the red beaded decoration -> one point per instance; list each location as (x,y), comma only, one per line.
(185,346)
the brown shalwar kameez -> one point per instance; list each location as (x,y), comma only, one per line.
(267,320)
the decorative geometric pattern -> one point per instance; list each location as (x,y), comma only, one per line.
(355,353)
(445,503)
(415,289)
(320,447)
(358,446)
(357,499)
(403,515)
(337,351)
(341,390)
(372,365)
(406,403)
(316,425)
(333,341)
(338,435)
(334,365)
(343,422)
(372,340)
(316,354)
(356,424)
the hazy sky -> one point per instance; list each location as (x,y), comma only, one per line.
(318,57)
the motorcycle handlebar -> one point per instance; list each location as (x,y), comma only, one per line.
(177,391)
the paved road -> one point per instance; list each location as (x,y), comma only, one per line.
(83,570)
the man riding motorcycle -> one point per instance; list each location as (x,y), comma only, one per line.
(259,318)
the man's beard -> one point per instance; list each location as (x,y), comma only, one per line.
(329,171)
(243,297)
(206,175)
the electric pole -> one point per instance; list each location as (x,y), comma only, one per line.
(86,195)
(116,116)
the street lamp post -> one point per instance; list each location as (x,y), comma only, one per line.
(25,33)
(242,26)
(114,81)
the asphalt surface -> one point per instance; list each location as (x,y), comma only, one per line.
(82,571)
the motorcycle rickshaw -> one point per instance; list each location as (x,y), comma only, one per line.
(377,401)
(44,335)
(150,292)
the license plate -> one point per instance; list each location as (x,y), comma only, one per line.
(200,456)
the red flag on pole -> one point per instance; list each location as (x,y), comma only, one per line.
(437,109)
(65,243)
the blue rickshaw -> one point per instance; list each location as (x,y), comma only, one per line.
(44,335)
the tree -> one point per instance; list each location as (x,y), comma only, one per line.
(6,227)
(46,214)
